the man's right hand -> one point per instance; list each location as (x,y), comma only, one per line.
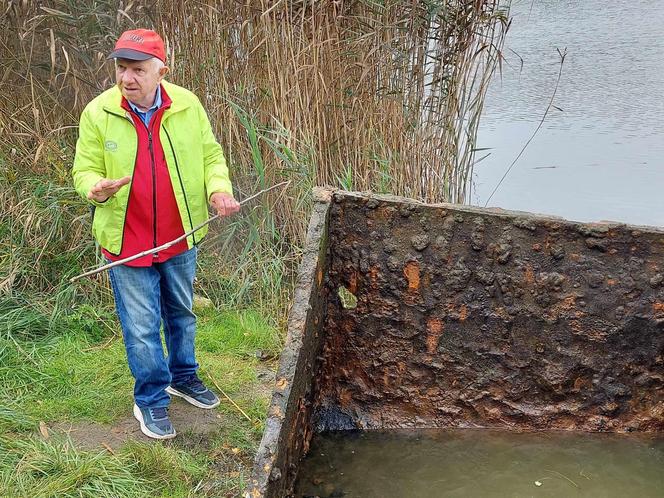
(105,188)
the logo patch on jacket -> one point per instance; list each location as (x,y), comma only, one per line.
(110,145)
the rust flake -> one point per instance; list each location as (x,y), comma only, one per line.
(352,283)
(434,331)
(529,276)
(412,274)
(345,397)
(374,271)
(658,308)
(282,383)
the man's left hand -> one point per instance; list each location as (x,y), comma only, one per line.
(224,203)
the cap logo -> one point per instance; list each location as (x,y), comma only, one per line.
(135,38)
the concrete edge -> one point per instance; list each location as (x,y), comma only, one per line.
(463,208)
(283,406)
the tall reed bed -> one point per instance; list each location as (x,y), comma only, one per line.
(363,95)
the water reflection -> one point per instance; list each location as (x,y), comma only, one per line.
(601,157)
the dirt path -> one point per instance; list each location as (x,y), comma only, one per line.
(190,423)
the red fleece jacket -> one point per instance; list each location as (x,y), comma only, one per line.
(152,217)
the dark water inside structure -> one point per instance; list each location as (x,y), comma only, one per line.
(480,463)
(602,156)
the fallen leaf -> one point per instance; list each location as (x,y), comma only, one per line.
(235,450)
(43,429)
(108,448)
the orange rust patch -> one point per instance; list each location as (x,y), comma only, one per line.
(412,274)
(581,383)
(434,331)
(352,283)
(281,383)
(347,326)
(501,312)
(658,308)
(373,276)
(567,304)
(576,326)
(529,276)
(386,379)
(463,313)
(345,397)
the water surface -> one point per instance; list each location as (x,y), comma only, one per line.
(479,463)
(601,157)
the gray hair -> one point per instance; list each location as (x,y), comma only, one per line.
(155,62)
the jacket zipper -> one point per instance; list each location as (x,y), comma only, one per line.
(184,193)
(154,189)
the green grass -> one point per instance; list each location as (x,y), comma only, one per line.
(37,468)
(239,334)
(79,375)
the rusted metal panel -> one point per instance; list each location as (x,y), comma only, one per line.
(470,317)
(425,316)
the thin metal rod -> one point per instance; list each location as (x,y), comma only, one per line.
(172,242)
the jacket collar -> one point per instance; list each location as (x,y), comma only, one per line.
(113,101)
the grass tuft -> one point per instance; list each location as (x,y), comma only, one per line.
(33,467)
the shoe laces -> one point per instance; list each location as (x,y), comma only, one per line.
(195,384)
(158,413)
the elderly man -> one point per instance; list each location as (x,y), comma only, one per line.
(147,159)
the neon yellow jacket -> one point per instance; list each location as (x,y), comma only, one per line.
(107,147)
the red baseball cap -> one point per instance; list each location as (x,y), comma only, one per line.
(139,45)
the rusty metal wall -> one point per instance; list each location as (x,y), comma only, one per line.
(477,318)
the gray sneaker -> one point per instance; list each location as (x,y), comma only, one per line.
(195,392)
(154,422)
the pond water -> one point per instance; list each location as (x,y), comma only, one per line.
(601,157)
(481,463)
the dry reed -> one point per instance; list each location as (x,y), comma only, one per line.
(364,95)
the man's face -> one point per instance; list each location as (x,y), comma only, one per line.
(138,80)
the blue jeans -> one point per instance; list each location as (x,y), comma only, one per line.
(144,298)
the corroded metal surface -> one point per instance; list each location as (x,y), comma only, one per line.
(412,315)
(288,426)
(479,318)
